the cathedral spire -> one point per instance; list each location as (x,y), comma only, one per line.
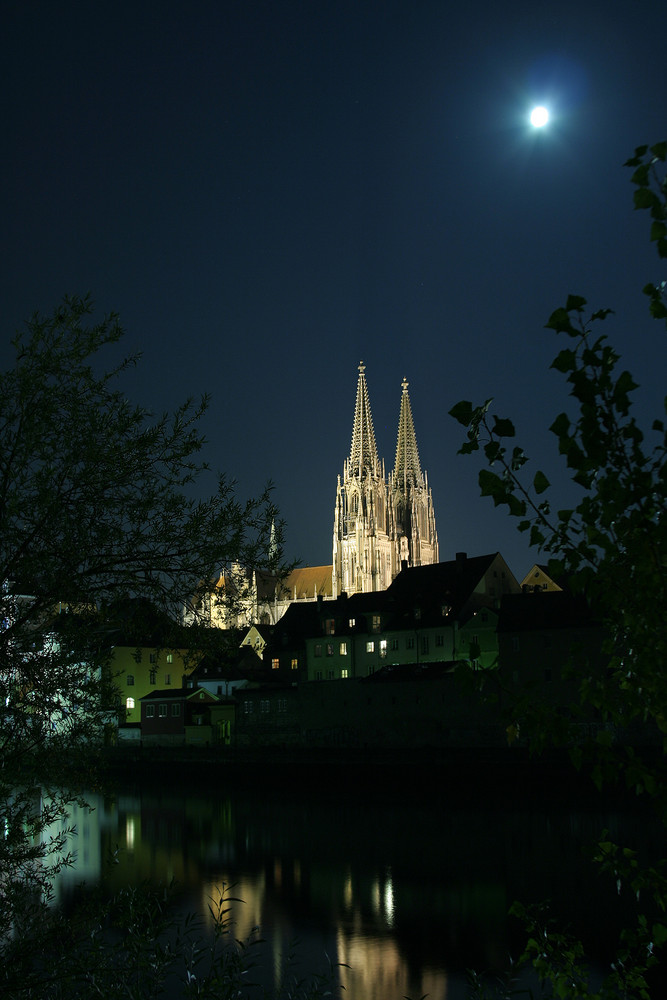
(363,452)
(407,470)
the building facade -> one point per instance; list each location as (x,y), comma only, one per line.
(381,522)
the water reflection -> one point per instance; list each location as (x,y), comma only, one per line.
(407,895)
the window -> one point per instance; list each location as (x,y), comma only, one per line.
(352,622)
(247,707)
(282,704)
(295,663)
(394,644)
(130,680)
(418,614)
(167,678)
(383,647)
(409,642)
(330,675)
(344,672)
(424,644)
(330,649)
(318,649)
(150,711)
(375,623)
(162,711)
(440,640)
(445,609)
(370,646)
(153,676)
(153,657)
(318,675)
(170,657)
(330,626)
(137,656)
(175,710)
(275,663)
(342,649)
(129,703)
(265,706)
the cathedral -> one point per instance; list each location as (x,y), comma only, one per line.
(380,522)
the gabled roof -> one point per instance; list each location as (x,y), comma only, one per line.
(179,694)
(453,582)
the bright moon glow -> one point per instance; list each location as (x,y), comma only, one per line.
(539,116)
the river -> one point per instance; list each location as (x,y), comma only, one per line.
(403,875)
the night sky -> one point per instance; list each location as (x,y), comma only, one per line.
(269,192)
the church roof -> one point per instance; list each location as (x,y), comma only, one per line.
(306,583)
(363,452)
(407,470)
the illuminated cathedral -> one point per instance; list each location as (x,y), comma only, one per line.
(381,522)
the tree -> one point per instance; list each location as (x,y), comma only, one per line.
(612,547)
(99,506)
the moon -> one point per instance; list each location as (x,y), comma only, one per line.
(539,116)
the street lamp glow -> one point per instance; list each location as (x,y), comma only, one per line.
(539,116)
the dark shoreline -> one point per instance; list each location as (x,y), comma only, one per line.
(510,774)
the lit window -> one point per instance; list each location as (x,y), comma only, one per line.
(175,709)
(170,657)
(330,626)
(330,649)
(275,663)
(344,672)
(383,647)
(370,646)
(129,703)
(343,649)
(445,609)
(130,680)
(295,663)
(352,622)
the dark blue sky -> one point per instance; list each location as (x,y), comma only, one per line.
(269,192)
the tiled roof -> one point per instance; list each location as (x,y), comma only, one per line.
(308,582)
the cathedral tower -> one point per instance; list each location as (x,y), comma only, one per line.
(410,496)
(380,523)
(362,538)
